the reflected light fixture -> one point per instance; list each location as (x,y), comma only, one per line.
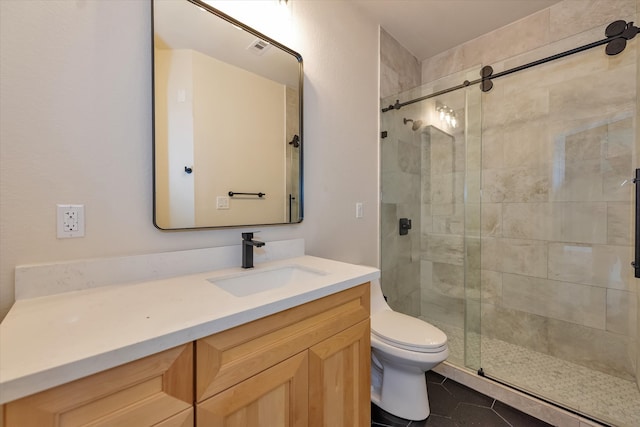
(447,115)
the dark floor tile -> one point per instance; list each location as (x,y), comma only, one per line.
(517,418)
(468,395)
(434,421)
(384,418)
(441,401)
(455,405)
(479,416)
(434,377)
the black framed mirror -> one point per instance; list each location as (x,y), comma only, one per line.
(227,119)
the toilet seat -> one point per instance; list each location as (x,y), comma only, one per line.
(407,332)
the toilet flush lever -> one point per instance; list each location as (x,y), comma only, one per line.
(405,226)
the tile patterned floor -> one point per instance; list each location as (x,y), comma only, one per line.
(454,405)
(593,393)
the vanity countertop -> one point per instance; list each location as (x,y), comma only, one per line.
(51,340)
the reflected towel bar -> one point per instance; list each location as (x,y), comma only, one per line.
(231,194)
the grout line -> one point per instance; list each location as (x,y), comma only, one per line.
(502,418)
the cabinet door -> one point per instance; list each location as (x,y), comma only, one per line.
(276,397)
(232,356)
(145,392)
(339,379)
(183,419)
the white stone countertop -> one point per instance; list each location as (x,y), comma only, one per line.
(50,340)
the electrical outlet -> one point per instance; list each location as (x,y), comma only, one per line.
(70,219)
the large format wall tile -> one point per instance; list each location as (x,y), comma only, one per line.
(409,157)
(491,219)
(622,312)
(448,279)
(619,223)
(516,327)
(444,248)
(528,220)
(557,147)
(526,144)
(600,265)
(572,16)
(581,304)
(614,93)
(400,187)
(601,350)
(516,185)
(448,224)
(620,138)
(610,353)
(491,287)
(568,222)
(443,309)
(399,69)
(526,257)
(401,286)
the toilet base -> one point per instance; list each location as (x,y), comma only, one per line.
(403,393)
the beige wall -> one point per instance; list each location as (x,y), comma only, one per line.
(212,130)
(174,127)
(557,144)
(75,127)
(228,132)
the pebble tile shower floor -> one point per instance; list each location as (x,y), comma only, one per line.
(596,394)
(455,405)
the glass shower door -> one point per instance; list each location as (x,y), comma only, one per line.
(559,302)
(430,171)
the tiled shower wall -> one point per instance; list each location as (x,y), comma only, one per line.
(443,221)
(400,181)
(558,143)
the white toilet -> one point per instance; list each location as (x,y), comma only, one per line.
(403,348)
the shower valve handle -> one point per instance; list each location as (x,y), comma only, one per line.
(405,226)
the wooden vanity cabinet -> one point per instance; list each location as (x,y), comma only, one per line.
(306,366)
(154,391)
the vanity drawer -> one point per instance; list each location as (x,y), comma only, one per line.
(230,357)
(155,390)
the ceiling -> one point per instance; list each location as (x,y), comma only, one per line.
(428,27)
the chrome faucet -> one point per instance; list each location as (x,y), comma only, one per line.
(247,249)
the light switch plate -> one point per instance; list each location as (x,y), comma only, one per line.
(222,202)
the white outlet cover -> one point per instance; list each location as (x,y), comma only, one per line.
(70,221)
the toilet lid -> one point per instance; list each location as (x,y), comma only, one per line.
(407,332)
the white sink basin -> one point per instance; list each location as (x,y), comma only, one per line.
(256,281)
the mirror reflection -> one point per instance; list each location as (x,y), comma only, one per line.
(227,121)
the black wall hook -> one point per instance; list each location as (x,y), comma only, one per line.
(187,169)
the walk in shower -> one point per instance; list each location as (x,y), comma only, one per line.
(522,218)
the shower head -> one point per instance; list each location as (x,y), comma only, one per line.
(416,123)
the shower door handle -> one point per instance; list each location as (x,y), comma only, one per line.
(636,261)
